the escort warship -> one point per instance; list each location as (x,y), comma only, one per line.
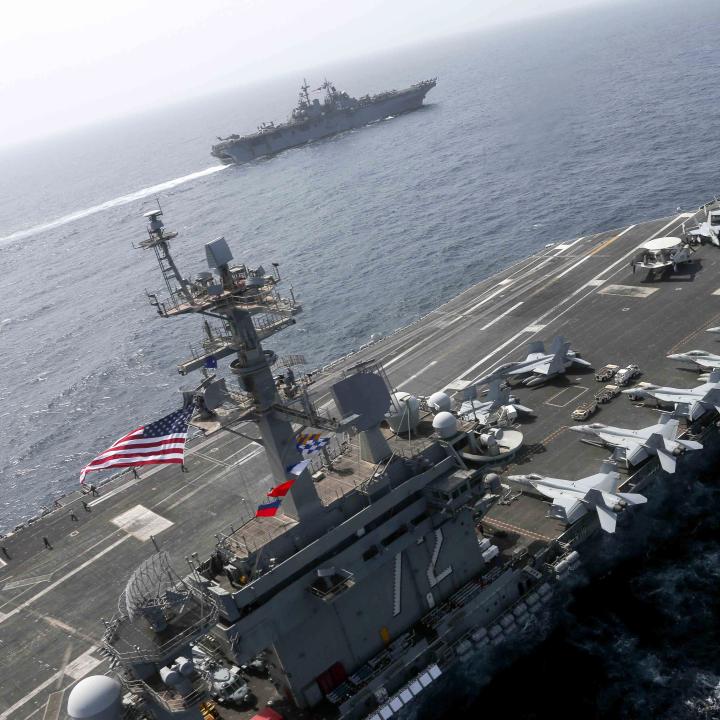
(313,119)
(337,541)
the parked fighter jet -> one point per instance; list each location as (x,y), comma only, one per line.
(539,365)
(702,358)
(688,402)
(498,404)
(708,230)
(571,499)
(662,254)
(633,446)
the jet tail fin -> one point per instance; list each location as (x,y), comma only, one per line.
(535,347)
(556,365)
(497,394)
(606,516)
(714,376)
(669,424)
(558,344)
(712,396)
(668,461)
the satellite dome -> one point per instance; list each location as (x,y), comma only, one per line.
(440,402)
(95,698)
(404,413)
(445,424)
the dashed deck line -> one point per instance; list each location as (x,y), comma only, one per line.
(553,435)
(715,319)
(514,528)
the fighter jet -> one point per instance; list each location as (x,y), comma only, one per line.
(633,446)
(571,499)
(539,365)
(713,330)
(662,254)
(702,358)
(688,402)
(708,230)
(497,405)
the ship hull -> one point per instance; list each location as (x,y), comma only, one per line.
(285,137)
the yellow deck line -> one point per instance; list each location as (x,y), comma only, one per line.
(602,246)
(514,528)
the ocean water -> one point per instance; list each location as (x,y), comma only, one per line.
(537,132)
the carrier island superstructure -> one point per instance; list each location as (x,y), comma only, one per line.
(313,119)
(402,545)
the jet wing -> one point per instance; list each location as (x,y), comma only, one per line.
(671,396)
(542,368)
(525,368)
(632,498)
(601,481)
(548,491)
(569,505)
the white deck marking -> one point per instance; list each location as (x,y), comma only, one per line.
(419,372)
(61,580)
(628,291)
(83,661)
(494,352)
(574,396)
(534,328)
(30,695)
(82,665)
(573,266)
(486,299)
(54,706)
(188,495)
(594,283)
(569,297)
(566,246)
(141,523)
(27,581)
(404,353)
(502,315)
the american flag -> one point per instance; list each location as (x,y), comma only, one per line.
(160,442)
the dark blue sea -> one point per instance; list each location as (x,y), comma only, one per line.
(537,132)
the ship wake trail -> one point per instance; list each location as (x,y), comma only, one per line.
(108,204)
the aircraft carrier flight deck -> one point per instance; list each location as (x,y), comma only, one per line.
(52,600)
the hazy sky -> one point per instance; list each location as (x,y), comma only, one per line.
(69,62)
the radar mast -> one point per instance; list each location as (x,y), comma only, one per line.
(250,309)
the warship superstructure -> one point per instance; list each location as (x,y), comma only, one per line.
(313,119)
(418,534)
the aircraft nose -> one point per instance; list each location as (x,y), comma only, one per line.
(674,356)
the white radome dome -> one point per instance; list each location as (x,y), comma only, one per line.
(445,424)
(440,402)
(95,698)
